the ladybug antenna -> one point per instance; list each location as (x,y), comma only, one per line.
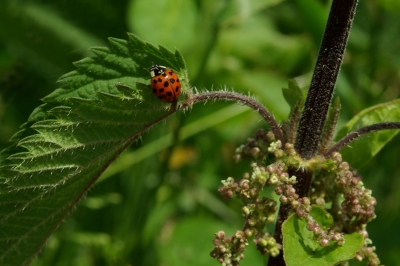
(148,69)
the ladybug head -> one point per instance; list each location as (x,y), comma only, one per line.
(156,70)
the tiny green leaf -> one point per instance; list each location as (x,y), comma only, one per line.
(330,123)
(363,149)
(294,94)
(300,249)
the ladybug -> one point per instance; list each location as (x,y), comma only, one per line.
(165,83)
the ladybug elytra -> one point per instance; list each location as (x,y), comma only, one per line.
(165,83)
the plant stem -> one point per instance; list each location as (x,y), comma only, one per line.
(318,100)
(360,132)
(237,97)
(324,78)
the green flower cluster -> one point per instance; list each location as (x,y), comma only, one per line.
(334,186)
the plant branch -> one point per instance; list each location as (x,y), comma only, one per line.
(324,78)
(360,132)
(233,96)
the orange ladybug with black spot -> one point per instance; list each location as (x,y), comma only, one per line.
(165,83)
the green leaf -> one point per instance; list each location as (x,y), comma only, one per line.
(71,139)
(293,94)
(330,123)
(363,149)
(300,248)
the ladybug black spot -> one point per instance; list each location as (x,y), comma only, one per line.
(164,75)
(166,84)
(170,73)
(161,90)
(154,90)
(177,80)
(172,81)
(177,88)
(159,79)
(154,81)
(169,93)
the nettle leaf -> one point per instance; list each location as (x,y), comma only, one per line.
(71,139)
(293,95)
(363,149)
(299,248)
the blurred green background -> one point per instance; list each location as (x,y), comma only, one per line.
(158,203)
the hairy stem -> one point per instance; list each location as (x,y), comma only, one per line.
(324,78)
(360,132)
(233,96)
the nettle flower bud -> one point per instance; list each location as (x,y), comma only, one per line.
(262,180)
(270,136)
(222,249)
(310,225)
(253,192)
(278,190)
(320,201)
(355,201)
(344,166)
(324,242)
(214,253)
(239,234)
(273,180)
(317,231)
(337,157)
(255,152)
(290,191)
(305,201)
(279,153)
(271,241)
(271,168)
(274,251)
(252,221)
(246,211)
(248,232)
(283,199)
(244,184)
(262,242)
(216,242)
(220,235)
(284,177)
(295,204)
(274,146)
(337,237)
(354,181)
(358,257)
(271,218)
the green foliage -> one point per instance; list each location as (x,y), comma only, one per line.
(76,141)
(294,95)
(254,52)
(362,150)
(300,247)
